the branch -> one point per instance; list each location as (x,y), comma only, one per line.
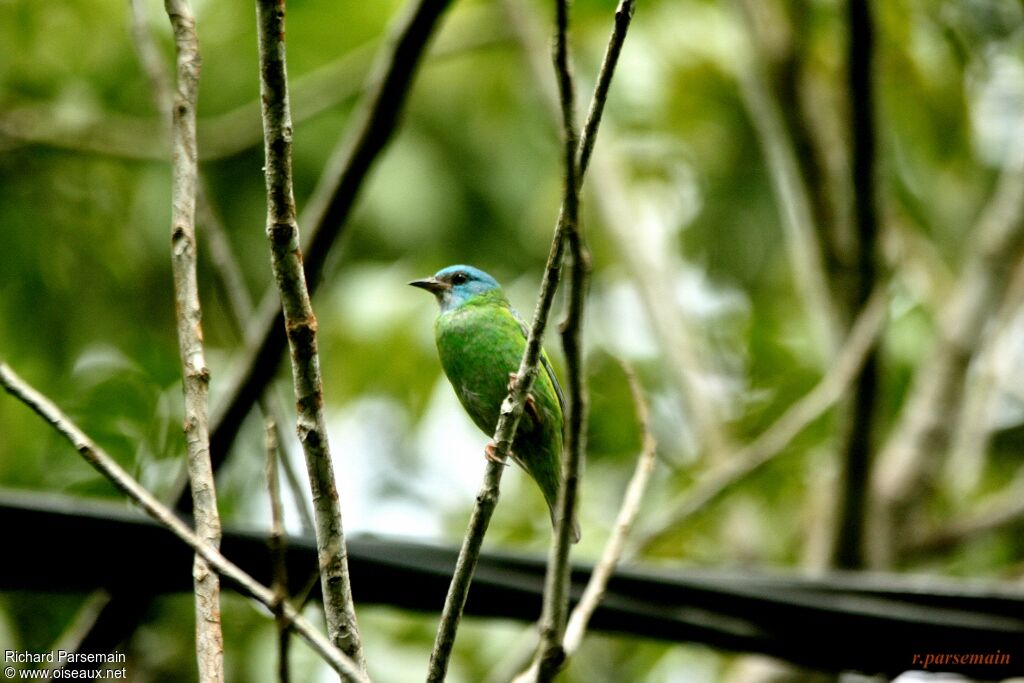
(613,548)
(848,548)
(775,438)
(226,268)
(628,512)
(300,325)
(195,374)
(278,556)
(123,481)
(512,406)
(372,128)
(229,276)
(674,338)
(554,615)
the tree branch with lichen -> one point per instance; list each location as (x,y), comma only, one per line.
(372,127)
(195,374)
(301,328)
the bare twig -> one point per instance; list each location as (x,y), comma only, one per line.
(613,548)
(151,61)
(226,268)
(195,374)
(774,439)
(300,324)
(628,512)
(511,408)
(674,336)
(373,126)
(555,612)
(240,307)
(910,460)
(276,541)
(124,482)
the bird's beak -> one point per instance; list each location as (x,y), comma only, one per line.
(431,284)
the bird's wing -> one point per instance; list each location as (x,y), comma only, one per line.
(543,359)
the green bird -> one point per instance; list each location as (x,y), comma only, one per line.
(481,340)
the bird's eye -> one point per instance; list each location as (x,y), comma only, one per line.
(459,278)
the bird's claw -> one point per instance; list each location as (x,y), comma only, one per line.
(490,453)
(530,405)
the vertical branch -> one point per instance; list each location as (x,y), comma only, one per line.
(276,543)
(848,548)
(337,190)
(678,345)
(300,326)
(225,265)
(195,374)
(487,496)
(512,406)
(556,581)
(614,547)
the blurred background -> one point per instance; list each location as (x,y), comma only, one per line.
(733,256)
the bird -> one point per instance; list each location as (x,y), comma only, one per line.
(480,341)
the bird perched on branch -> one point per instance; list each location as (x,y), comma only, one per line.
(481,340)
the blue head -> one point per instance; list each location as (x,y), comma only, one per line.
(455,285)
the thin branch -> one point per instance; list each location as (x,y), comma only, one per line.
(512,406)
(151,61)
(628,512)
(300,325)
(775,438)
(240,308)
(910,460)
(673,334)
(848,548)
(226,268)
(555,612)
(614,547)
(124,482)
(277,543)
(372,128)
(195,374)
